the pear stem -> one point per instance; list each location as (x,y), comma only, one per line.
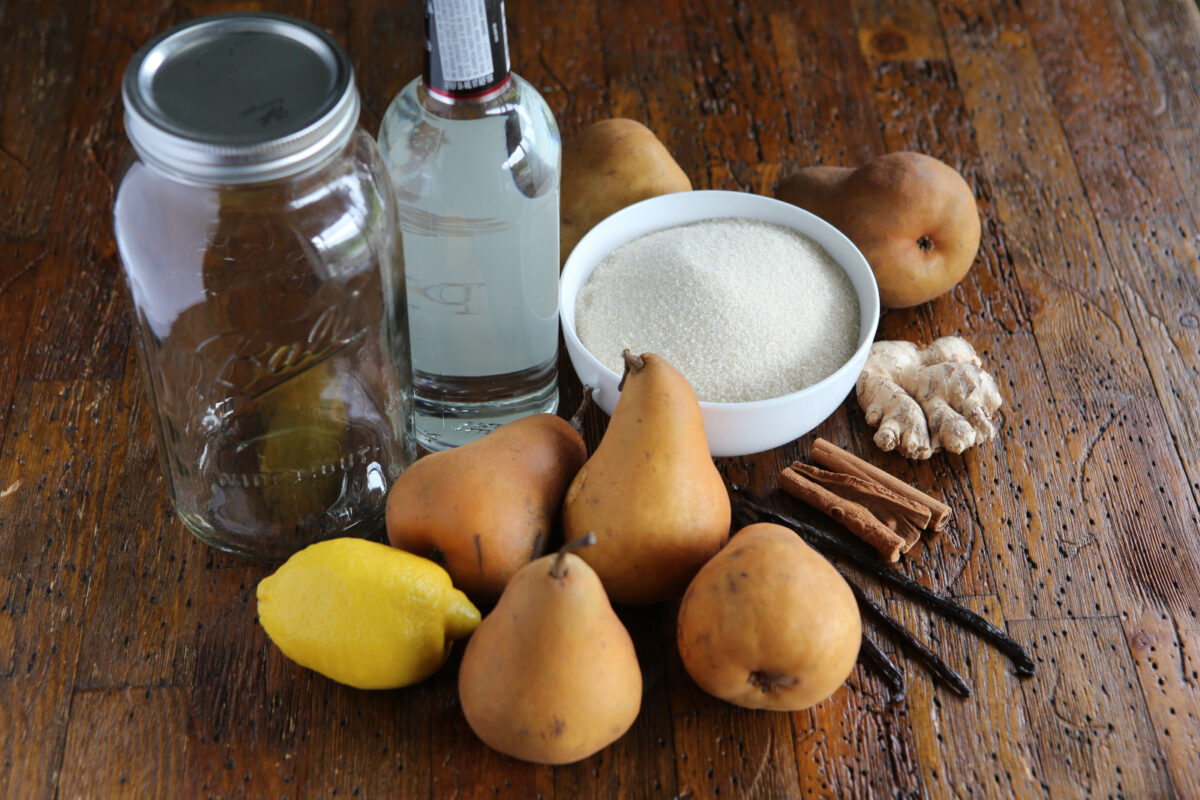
(633,364)
(577,420)
(559,568)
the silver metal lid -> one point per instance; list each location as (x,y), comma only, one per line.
(238,98)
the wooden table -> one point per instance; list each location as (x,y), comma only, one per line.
(131,663)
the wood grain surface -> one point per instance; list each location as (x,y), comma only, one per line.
(131,660)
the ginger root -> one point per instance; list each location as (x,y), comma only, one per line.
(927,400)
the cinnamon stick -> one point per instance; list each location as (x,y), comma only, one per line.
(836,459)
(858,520)
(906,517)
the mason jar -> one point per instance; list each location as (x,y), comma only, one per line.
(257,231)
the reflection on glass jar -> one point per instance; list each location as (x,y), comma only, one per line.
(268,287)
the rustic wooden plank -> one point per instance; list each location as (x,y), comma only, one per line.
(140,621)
(758,178)
(31,739)
(1160,281)
(53,471)
(369,744)
(650,77)
(1162,41)
(830,119)
(1116,146)
(954,561)
(721,749)
(1162,44)
(18,276)
(1164,648)
(856,744)
(899,30)
(1086,712)
(79,328)
(42,43)
(1083,332)
(248,711)
(973,747)
(1146,531)
(1148,537)
(1180,144)
(566,68)
(1038,525)
(738,96)
(126,743)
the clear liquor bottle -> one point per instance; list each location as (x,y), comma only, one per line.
(475,157)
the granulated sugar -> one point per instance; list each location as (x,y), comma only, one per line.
(746,310)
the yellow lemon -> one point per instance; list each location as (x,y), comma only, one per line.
(363,613)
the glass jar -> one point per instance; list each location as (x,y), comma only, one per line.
(257,230)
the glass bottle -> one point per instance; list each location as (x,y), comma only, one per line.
(475,160)
(257,230)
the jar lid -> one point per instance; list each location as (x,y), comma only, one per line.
(241,97)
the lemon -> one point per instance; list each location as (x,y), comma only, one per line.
(363,613)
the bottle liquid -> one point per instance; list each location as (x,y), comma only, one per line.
(475,158)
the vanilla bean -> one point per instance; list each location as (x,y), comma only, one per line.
(866,559)
(875,660)
(929,659)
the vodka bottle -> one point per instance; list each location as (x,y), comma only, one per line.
(475,158)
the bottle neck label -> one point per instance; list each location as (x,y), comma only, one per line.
(466,48)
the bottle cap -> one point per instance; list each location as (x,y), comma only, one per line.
(239,98)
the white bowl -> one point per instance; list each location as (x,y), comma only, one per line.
(733,429)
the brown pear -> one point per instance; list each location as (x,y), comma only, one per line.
(551,675)
(769,623)
(913,217)
(487,508)
(650,492)
(607,166)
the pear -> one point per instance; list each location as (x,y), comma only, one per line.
(550,675)
(487,508)
(607,166)
(769,623)
(913,217)
(650,492)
